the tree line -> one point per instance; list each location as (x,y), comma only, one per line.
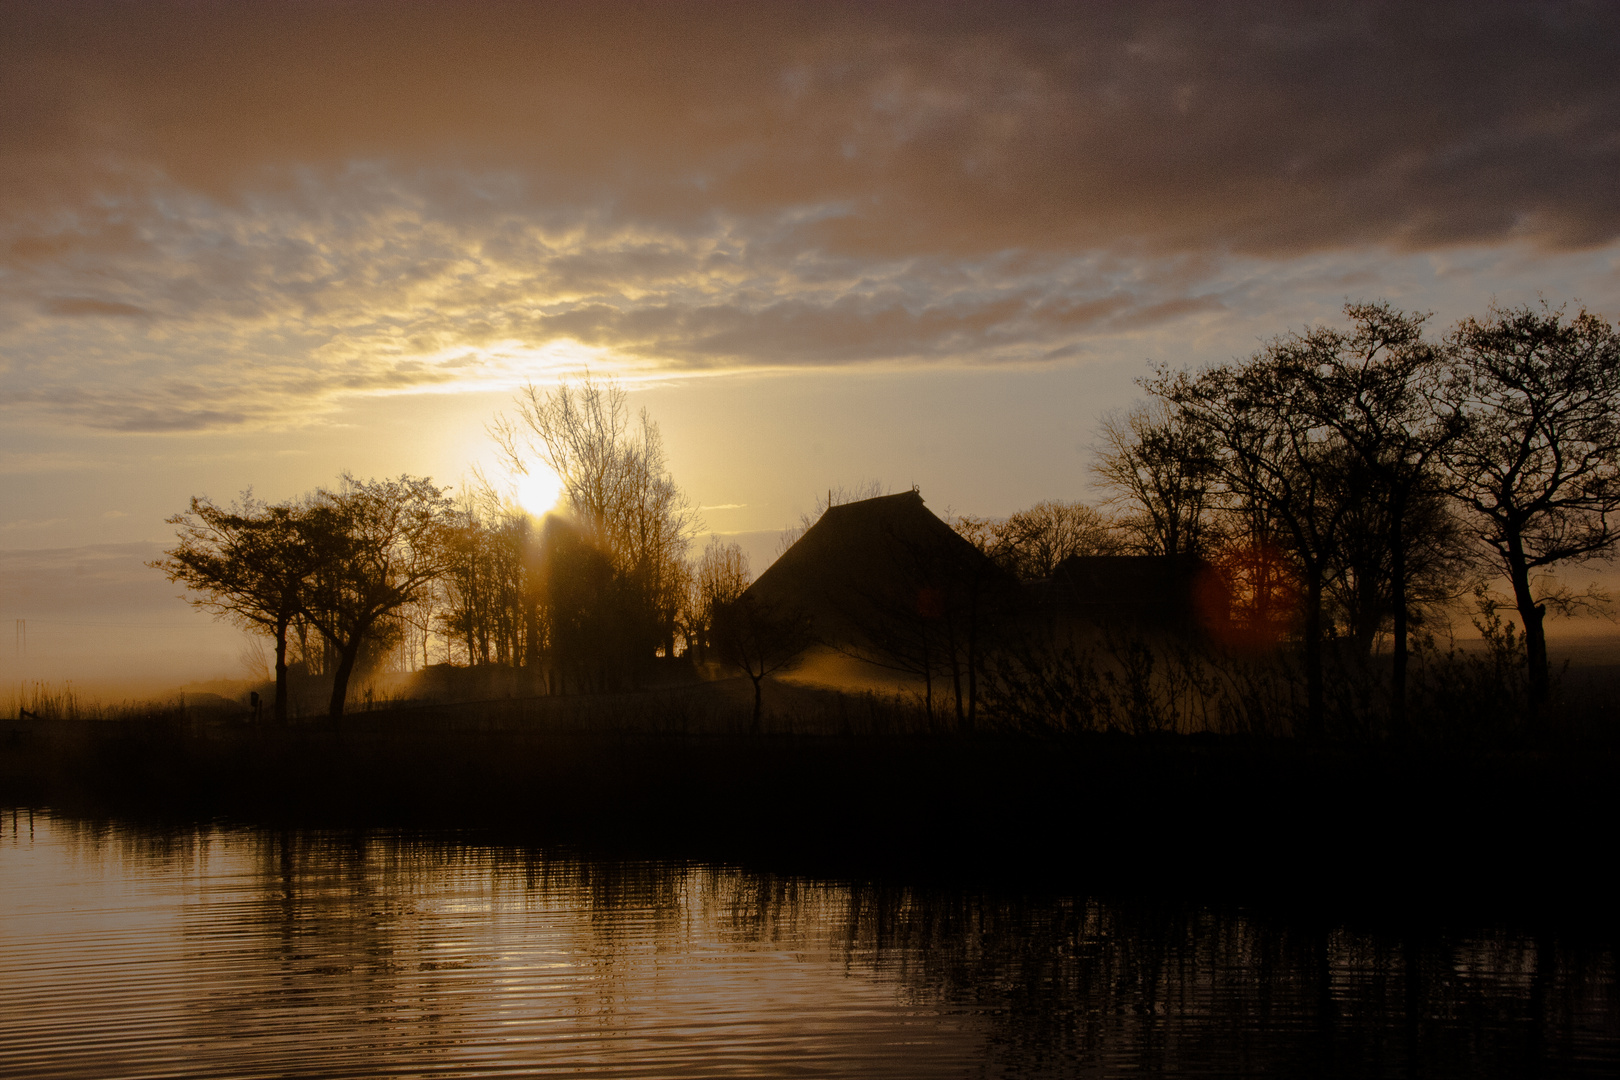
(1350,481)
(1346,482)
(367,569)
(339,565)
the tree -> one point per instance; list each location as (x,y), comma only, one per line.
(1278,467)
(488,596)
(1375,387)
(761,638)
(718,577)
(617,488)
(1031,543)
(1437,560)
(378,545)
(1162,471)
(1538,457)
(249,562)
(585,608)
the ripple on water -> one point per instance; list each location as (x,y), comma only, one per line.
(240,953)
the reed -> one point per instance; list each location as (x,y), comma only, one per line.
(41,701)
(855,783)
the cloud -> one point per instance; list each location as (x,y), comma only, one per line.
(220,214)
(950,127)
(89,305)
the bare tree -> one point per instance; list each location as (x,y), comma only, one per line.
(1375,386)
(1275,465)
(488,596)
(761,638)
(248,562)
(718,577)
(586,610)
(1031,543)
(378,545)
(617,488)
(1161,471)
(1438,561)
(1538,460)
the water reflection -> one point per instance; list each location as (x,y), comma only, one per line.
(213,952)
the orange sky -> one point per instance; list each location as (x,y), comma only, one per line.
(263,243)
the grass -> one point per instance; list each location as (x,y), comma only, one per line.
(856,784)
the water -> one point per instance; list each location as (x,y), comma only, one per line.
(237,953)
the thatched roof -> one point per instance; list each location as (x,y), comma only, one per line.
(874,547)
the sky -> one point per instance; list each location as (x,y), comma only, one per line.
(256,245)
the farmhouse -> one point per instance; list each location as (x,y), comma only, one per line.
(875,560)
(1176,594)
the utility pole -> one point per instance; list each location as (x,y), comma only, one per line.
(22,639)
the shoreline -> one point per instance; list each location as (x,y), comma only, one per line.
(1511,829)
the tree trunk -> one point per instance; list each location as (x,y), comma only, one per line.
(1531,615)
(281,674)
(1397,589)
(758,701)
(1315,695)
(340,677)
(956,684)
(1370,616)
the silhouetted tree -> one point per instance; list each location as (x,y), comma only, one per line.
(249,562)
(1375,387)
(1438,561)
(618,491)
(579,591)
(1032,542)
(1277,465)
(718,576)
(1162,471)
(1538,458)
(378,545)
(488,597)
(761,638)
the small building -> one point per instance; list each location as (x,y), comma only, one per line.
(888,555)
(1171,593)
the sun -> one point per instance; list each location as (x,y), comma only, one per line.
(538,491)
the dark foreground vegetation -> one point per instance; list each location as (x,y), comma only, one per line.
(850,785)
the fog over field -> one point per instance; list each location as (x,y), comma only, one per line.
(99,618)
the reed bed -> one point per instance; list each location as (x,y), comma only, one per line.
(851,784)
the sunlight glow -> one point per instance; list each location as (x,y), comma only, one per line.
(539,491)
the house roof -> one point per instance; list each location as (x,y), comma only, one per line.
(866,548)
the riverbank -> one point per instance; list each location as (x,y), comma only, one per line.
(1236,814)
